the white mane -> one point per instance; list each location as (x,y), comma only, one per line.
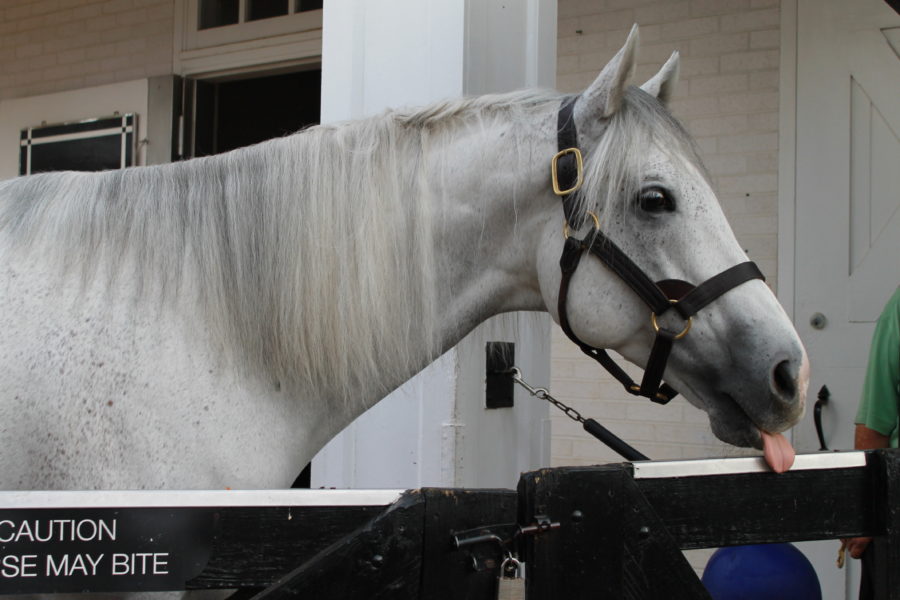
(312,254)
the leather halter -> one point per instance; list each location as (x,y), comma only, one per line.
(662,296)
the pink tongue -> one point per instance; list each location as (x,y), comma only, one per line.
(778,451)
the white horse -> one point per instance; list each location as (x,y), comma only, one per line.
(213,323)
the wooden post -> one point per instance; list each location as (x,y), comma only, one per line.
(885,505)
(610,543)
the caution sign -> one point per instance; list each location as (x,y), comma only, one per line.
(102,550)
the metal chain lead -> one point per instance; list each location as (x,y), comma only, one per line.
(543,394)
(594,428)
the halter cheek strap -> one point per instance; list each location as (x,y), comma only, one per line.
(567,166)
(671,294)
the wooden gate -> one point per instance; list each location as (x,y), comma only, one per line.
(613,532)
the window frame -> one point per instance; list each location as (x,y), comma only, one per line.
(121,126)
(275,43)
(244,30)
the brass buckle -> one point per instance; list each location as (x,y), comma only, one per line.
(683,331)
(579,162)
(592,215)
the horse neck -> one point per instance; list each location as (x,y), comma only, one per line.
(491,215)
(312,282)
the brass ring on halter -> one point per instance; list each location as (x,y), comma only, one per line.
(579,171)
(592,215)
(684,331)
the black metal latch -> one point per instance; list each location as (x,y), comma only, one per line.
(504,534)
(542,524)
(487,545)
(501,538)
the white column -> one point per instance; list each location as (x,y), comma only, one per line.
(434,430)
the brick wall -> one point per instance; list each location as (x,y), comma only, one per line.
(55,45)
(728,99)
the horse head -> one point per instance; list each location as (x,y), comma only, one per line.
(646,193)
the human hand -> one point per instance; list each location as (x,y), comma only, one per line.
(856,546)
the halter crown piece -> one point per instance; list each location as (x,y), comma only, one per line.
(670,294)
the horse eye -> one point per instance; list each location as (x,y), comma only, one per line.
(655,200)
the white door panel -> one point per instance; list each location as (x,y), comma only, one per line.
(874,268)
(847,219)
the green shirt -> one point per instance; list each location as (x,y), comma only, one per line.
(879,408)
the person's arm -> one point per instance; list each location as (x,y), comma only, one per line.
(879,405)
(866,439)
(869,439)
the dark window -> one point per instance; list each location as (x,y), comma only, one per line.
(91,145)
(216,13)
(304,5)
(265,9)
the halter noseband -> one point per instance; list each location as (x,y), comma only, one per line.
(670,294)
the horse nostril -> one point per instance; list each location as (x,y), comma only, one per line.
(784,380)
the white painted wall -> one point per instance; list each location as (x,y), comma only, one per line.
(434,430)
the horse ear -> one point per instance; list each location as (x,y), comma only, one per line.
(604,96)
(662,85)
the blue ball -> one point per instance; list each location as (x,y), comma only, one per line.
(763,572)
